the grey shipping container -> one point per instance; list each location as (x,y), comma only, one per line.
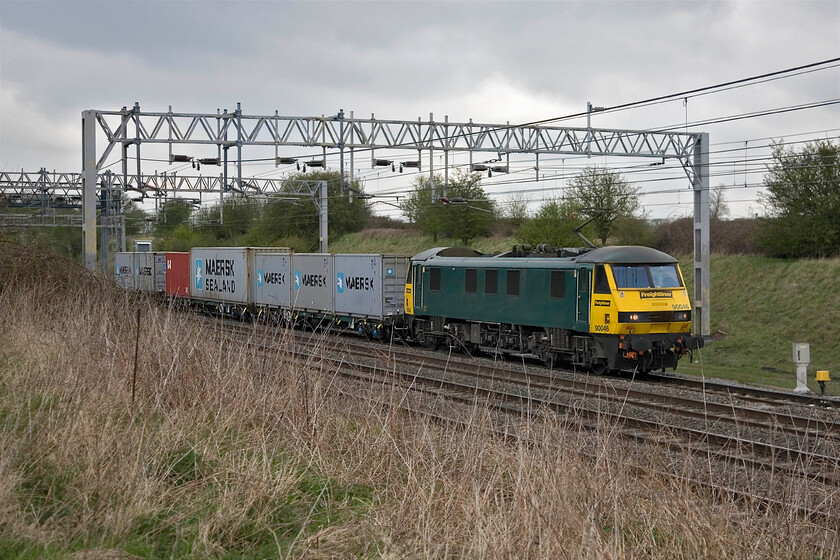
(220,274)
(144,272)
(160,272)
(312,282)
(223,273)
(370,286)
(271,280)
(141,271)
(124,270)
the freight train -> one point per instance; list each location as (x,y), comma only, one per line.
(607,309)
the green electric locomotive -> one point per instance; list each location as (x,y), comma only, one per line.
(605,309)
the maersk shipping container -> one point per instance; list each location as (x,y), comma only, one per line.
(178,274)
(223,273)
(312,282)
(124,270)
(144,272)
(369,286)
(160,272)
(220,274)
(271,280)
(140,271)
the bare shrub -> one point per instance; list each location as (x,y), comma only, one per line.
(726,237)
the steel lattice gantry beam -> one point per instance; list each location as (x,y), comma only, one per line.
(40,189)
(58,190)
(52,189)
(22,221)
(131,126)
(225,130)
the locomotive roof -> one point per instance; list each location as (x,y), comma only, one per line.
(626,254)
(446,252)
(618,254)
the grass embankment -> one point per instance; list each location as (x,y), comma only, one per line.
(762,305)
(229,453)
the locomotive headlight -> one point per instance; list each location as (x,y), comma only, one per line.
(682,316)
(633,317)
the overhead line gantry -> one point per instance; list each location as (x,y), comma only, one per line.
(225,130)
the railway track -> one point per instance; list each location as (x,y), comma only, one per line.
(734,433)
(757,395)
(737,411)
(542,390)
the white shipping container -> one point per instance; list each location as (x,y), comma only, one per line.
(224,273)
(271,280)
(144,271)
(140,271)
(370,286)
(160,272)
(220,274)
(124,270)
(312,282)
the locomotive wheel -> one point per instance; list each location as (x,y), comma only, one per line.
(548,360)
(599,367)
(470,348)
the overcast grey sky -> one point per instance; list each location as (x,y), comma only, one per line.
(489,61)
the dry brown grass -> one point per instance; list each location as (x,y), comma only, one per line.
(231,452)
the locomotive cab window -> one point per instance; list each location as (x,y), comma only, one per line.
(434,279)
(491,281)
(646,276)
(665,276)
(513,282)
(470,280)
(602,285)
(558,284)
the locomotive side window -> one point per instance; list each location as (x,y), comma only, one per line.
(470,280)
(434,279)
(602,285)
(513,282)
(491,281)
(558,284)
